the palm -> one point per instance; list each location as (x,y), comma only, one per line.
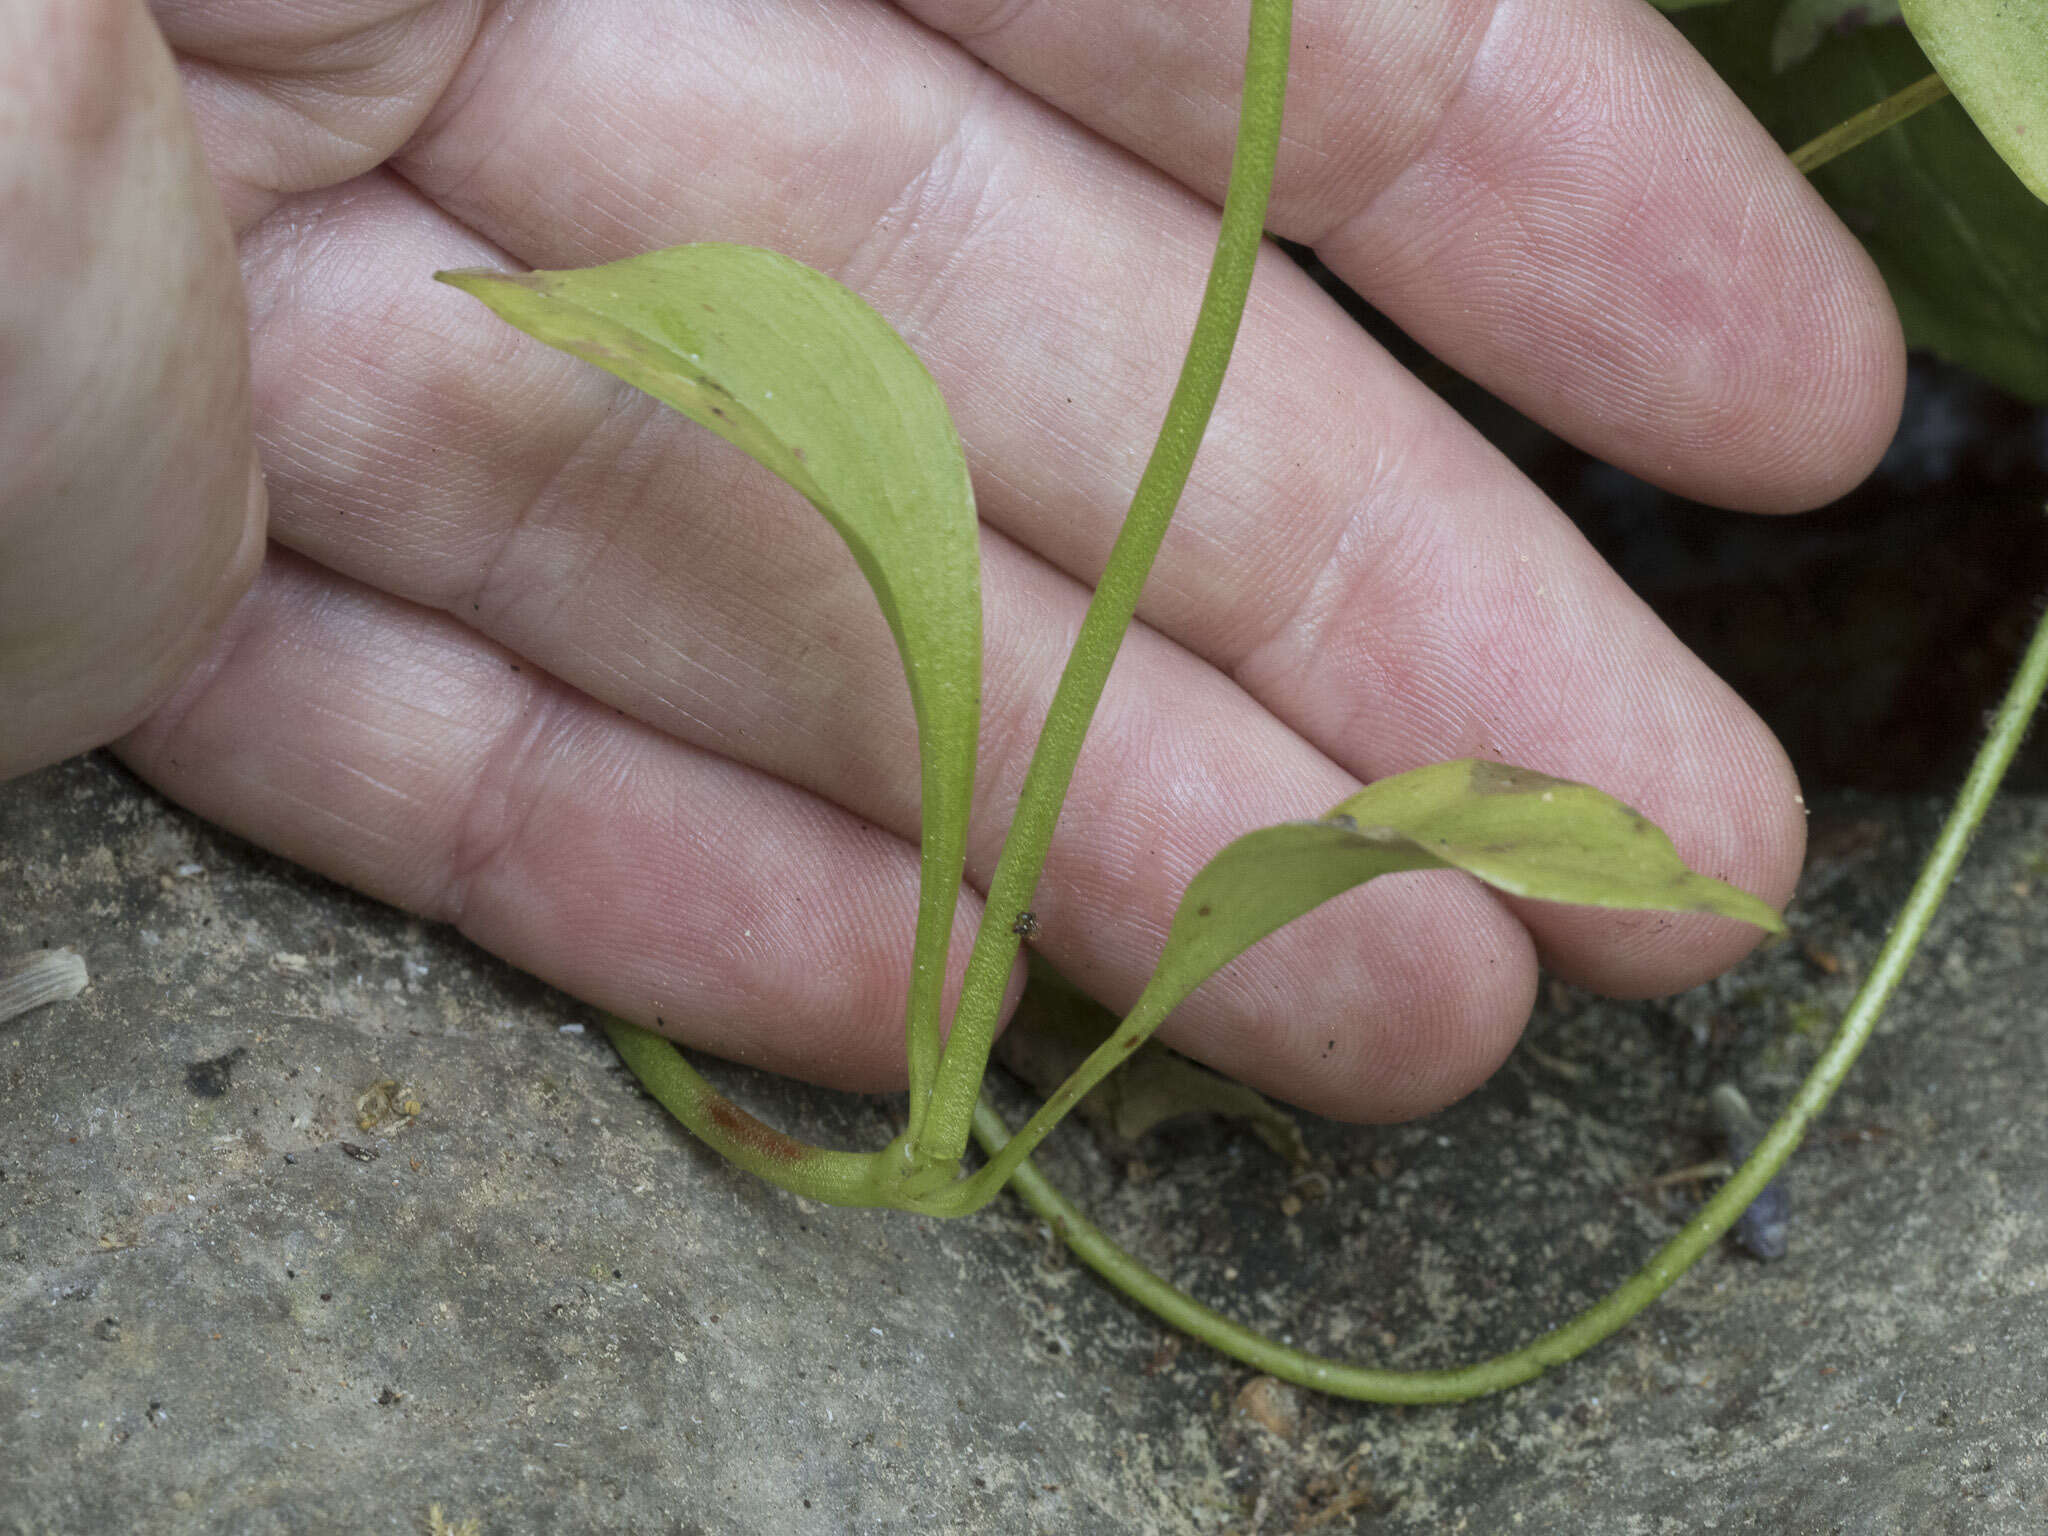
(540,659)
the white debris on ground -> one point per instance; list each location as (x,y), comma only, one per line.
(38,977)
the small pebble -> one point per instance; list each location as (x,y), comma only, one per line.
(1762,1227)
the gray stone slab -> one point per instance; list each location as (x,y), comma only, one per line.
(537,1305)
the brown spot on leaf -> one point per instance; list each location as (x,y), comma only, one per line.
(1490,778)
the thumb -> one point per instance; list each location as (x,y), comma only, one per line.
(131,507)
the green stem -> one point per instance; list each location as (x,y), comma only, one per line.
(941,864)
(1676,1256)
(1116,597)
(971,1194)
(1869,123)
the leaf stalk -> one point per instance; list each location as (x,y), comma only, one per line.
(1869,123)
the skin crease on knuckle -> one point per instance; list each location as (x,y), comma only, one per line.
(1423,1029)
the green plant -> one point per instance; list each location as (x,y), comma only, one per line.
(802,375)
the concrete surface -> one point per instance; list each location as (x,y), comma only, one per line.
(227,1305)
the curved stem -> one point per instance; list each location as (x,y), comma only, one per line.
(1116,597)
(1675,1257)
(817,1173)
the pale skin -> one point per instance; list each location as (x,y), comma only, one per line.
(526,654)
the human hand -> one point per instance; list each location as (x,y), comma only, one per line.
(541,660)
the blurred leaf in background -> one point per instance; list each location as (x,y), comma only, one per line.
(1803,23)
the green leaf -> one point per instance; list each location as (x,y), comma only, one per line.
(1994,56)
(1684,5)
(1803,23)
(799,372)
(1958,237)
(1521,832)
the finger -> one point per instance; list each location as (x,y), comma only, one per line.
(397,751)
(131,511)
(1378,578)
(1559,199)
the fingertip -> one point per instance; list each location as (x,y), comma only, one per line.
(1807,384)
(1601,233)
(1468,998)
(1434,1058)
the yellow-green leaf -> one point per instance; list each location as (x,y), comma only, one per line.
(800,373)
(1521,832)
(1994,56)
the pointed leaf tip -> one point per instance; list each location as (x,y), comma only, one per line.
(1528,834)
